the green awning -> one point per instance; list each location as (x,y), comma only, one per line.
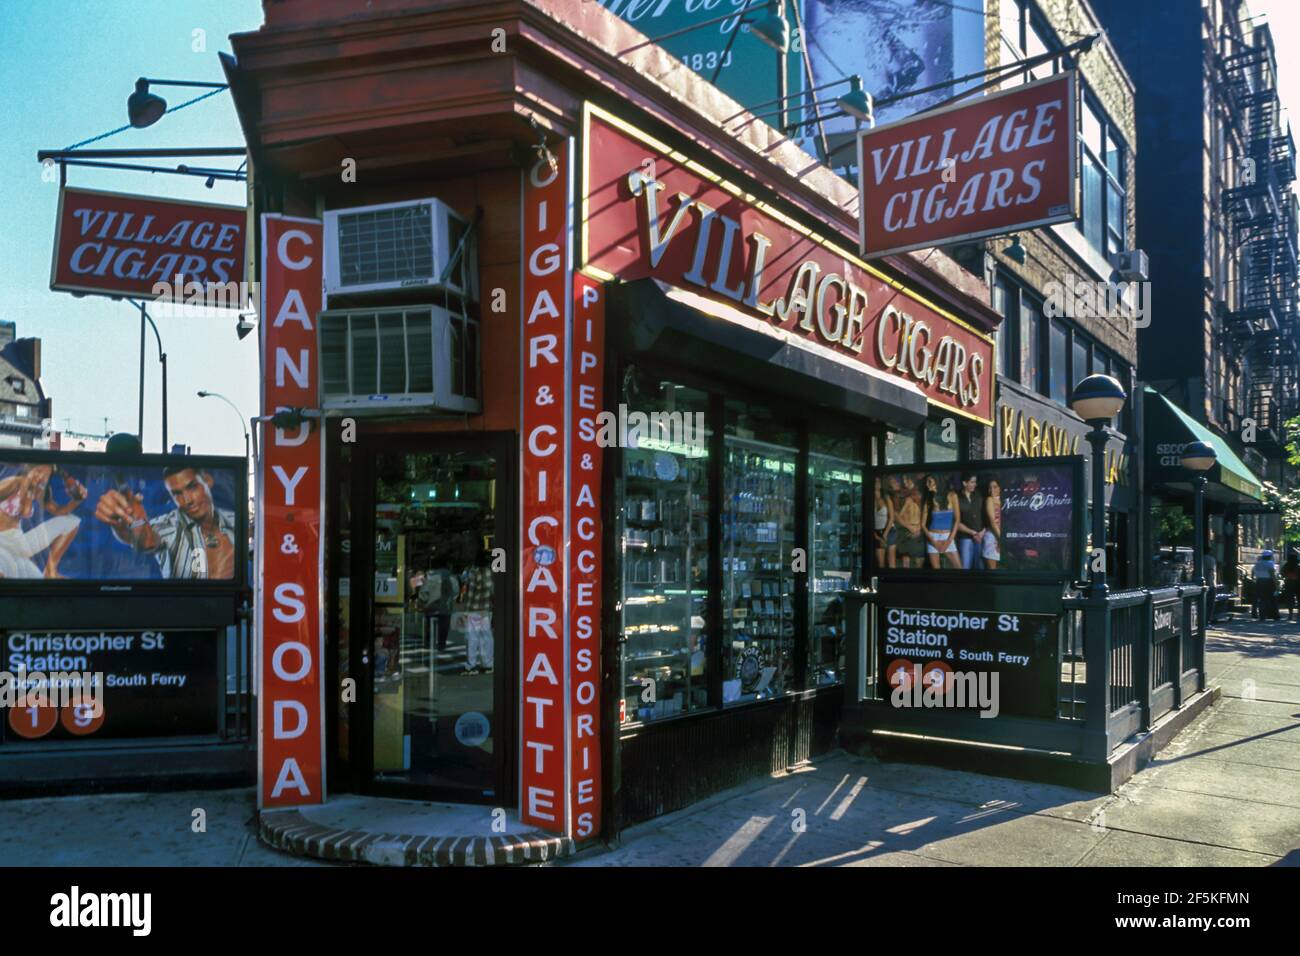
(1168,428)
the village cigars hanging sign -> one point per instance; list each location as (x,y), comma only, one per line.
(116,244)
(649,211)
(983,167)
(290,469)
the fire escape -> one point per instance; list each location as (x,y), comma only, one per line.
(1260,325)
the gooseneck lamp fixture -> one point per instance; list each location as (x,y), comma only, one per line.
(144,108)
(1097,399)
(771,27)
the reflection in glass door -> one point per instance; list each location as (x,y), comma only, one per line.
(436,622)
(835,468)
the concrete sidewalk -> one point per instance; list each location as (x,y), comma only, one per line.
(1225,793)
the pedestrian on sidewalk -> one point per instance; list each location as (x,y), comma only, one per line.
(476,600)
(1265,577)
(1291,584)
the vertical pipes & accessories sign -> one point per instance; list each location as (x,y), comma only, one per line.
(291,735)
(586,561)
(984,167)
(561,370)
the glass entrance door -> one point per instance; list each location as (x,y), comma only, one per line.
(437,616)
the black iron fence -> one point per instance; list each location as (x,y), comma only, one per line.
(1123,660)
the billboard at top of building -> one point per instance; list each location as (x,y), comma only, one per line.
(119,245)
(1012,517)
(982,167)
(745,67)
(74,517)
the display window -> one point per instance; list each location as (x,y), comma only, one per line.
(665,550)
(740,528)
(758,539)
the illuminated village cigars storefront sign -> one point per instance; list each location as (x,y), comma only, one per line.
(649,211)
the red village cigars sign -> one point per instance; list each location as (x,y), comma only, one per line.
(983,167)
(649,211)
(121,245)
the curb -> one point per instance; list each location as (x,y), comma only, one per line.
(290,831)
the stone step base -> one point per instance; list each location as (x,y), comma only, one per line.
(290,831)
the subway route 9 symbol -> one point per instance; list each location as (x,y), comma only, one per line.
(81,719)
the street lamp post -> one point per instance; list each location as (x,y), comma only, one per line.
(1199,457)
(1097,399)
(162,359)
(242,422)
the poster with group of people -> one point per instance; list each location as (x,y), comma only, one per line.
(66,518)
(983,516)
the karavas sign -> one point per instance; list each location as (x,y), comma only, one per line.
(122,245)
(979,168)
(649,211)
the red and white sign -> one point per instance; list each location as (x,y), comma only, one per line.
(123,245)
(651,212)
(586,558)
(290,471)
(544,365)
(984,167)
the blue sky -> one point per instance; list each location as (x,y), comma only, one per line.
(66,69)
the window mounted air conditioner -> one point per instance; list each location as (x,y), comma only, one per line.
(406,358)
(402,245)
(1131,264)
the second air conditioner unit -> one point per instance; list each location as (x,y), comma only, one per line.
(407,358)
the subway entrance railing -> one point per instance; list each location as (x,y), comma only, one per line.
(1097,670)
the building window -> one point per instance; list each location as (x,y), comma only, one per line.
(1006,302)
(942,441)
(900,447)
(1032,370)
(1102,160)
(1058,388)
(1079,366)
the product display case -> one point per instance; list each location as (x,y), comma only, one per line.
(664,536)
(758,538)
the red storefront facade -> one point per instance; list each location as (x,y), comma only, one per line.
(536,228)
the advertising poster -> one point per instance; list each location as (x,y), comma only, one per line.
(155,683)
(67,519)
(1020,649)
(1012,517)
